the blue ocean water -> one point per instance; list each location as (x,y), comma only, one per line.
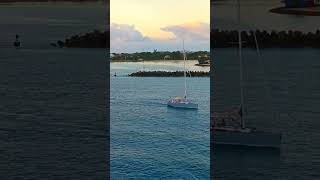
(150,140)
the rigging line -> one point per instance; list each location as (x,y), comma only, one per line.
(265,80)
(242,107)
(188,71)
(184,72)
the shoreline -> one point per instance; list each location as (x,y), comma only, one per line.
(150,60)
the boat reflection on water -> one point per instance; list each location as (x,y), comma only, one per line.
(245,150)
(16,43)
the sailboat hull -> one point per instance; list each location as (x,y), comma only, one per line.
(251,139)
(183,105)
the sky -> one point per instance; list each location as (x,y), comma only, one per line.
(145,25)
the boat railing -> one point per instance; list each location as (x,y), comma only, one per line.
(222,119)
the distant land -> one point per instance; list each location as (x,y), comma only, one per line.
(306,11)
(219,39)
(266,39)
(94,39)
(157,55)
(99,39)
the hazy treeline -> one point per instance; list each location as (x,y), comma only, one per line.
(219,39)
(95,39)
(98,39)
(157,55)
(273,39)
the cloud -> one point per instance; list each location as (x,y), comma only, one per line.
(191,31)
(124,32)
(125,38)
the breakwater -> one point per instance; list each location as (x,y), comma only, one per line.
(169,74)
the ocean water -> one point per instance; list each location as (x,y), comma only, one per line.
(53,114)
(150,140)
(41,23)
(290,105)
(53,102)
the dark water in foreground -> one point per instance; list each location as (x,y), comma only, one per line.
(293,79)
(53,116)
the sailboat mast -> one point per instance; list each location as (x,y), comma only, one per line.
(241,66)
(184,72)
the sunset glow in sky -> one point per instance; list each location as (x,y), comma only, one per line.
(144,25)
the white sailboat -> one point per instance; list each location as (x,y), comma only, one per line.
(240,135)
(183,102)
